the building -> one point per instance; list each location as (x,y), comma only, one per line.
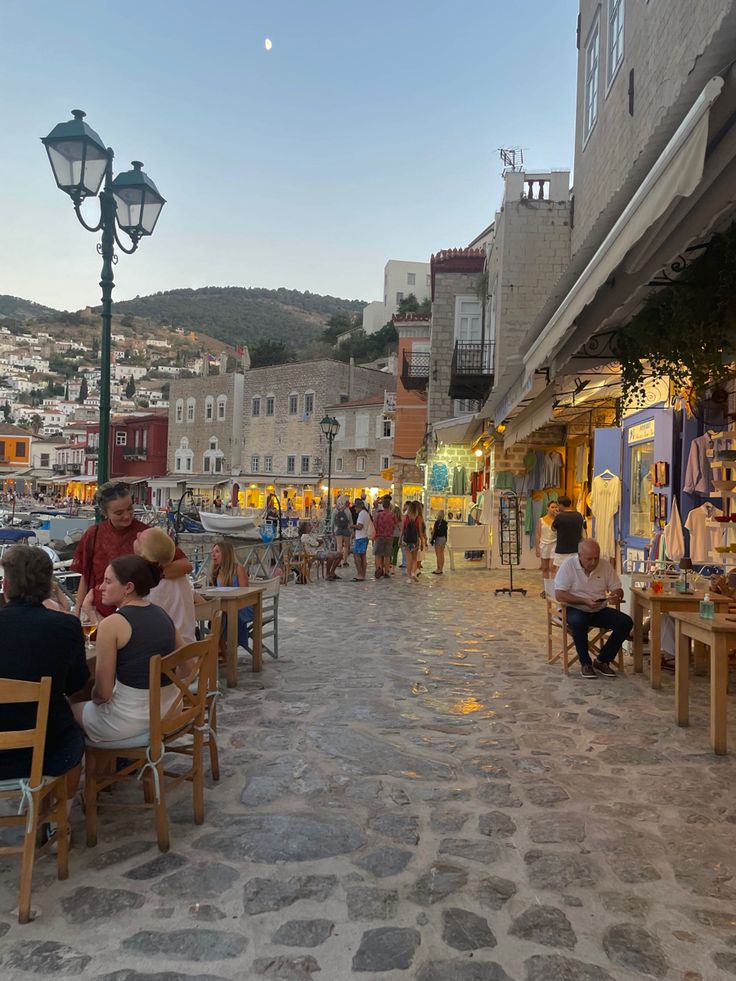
(410,418)
(284,449)
(205,437)
(362,450)
(15,457)
(400,279)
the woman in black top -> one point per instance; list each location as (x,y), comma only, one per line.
(38,642)
(126,642)
(439,540)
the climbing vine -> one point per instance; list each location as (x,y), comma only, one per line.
(688,331)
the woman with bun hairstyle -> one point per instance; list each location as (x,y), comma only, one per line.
(126,642)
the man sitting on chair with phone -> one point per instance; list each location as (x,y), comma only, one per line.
(586,584)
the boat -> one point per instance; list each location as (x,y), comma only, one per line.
(228,524)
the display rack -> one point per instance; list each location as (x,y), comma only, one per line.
(723,464)
(509,540)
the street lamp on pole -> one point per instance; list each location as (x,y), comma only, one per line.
(330,428)
(81,163)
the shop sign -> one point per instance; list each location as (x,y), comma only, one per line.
(644,430)
(389,403)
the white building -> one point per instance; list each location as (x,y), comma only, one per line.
(400,279)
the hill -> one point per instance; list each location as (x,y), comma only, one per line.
(236,315)
(16,308)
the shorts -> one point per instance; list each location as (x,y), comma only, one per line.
(360,546)
(442,541)
(383,547)
(547,550)
(560,558)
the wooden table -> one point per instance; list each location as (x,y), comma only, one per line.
(657,604)
(232,599)
(719,635)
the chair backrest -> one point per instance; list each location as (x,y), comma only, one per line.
(185,668)
(206,610)
(14,692)
(272,588)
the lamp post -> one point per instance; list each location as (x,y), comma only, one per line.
(81,163)
(330,427)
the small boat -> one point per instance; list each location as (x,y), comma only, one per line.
(227,524)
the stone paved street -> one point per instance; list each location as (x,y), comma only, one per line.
(412,792)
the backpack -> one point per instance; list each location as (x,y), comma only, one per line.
(342,525)
(411,535)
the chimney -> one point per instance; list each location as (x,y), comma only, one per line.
(351,378)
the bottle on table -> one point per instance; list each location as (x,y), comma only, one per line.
(707,608)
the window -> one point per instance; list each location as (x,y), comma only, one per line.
(268,464)
(411,279)
(291,464)
(121,437)
(592,59)
(183,462)
(309,403)
(191,406)
(293,404)
(206,464)
(305,464)
(213,443)
(615,37)
(256,406)
(20,449)
(180,410)
(45,459)
(360,464)
(399,298)
(270,405)
(255,464)
(388,427)
(213,457)
(338,464)
(221,407)
(209,408)
(385,462)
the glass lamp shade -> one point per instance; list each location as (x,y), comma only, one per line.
(137,201)
(78,157)
(330,427)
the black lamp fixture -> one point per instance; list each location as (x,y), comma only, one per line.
(330,428)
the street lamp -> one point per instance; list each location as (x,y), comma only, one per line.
(81,162)
(330,427)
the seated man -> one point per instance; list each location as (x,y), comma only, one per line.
(585,584)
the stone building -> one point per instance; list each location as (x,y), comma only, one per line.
(283,446)
(362,448)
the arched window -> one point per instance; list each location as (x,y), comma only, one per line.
(213,459)
(209,408)
(180,410)
(184,457)
(191,406)
(294,404)
(221,407)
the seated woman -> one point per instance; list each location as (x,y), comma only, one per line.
(126,642)
(227,571)
(313,546)
(39,642)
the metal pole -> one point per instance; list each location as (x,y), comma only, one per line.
(328,512)
(107,251)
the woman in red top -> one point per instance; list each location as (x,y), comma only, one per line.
(108,540)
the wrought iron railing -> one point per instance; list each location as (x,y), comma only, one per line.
(415,370)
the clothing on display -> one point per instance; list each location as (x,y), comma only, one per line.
(504,480)
(581,463)
(674,540)
(459,481)
(438,477)
(698,477)
(702,538)
(549,497)
(477,479)
(605,500)
(552,470)
(530,460)
(538,472)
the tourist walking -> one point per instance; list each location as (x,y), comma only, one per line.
(569,526)
(383,543)
(363,527)
(411,538)
(439,540)
(546,538)
(342,526)
(396,537)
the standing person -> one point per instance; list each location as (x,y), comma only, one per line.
(396,537)
(342,526)
(423,544)
(546,544)
(363,526)
(126,641)
(217,503)
(439,540)
(383,543)
(110,538)
(176,596)
(411,537)
(569,527)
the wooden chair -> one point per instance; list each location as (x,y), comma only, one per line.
(270,636)
(301,563)
(566,653)
(186,668)
(213,691)
(204,614)
(43,799)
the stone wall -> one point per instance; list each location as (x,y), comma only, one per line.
(227,431)
(447,287)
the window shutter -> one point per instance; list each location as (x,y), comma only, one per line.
(379,426)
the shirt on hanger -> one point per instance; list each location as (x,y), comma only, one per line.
(698,478)
(702,538)
(605,500)
(552,471)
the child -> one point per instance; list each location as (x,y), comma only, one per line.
(175,596)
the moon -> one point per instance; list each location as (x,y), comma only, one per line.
(267,44)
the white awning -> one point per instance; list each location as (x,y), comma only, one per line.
(676,174)
(459,430)
(362,481)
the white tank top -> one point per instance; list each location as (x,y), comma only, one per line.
(548,536)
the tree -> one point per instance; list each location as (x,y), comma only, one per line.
(337,324)
(6,412)
(66,392)
(83,390)
(165,390)
(410,304)
(95,348)
(130,388)
(35,423)
(50,386)
(270,352)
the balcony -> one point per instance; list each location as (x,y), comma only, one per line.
(135,453)
(415,371)
(471,375)
(75,469)
(58,467)
(91,450)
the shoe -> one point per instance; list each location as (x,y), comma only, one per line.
(605,669)
(588,671)
(379,573)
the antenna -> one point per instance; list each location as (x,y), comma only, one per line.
(513,158)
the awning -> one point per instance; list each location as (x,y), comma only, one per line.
(675,175)
(69,479)
(362,481)
(459,430)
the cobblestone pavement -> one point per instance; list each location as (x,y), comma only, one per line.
(412,792)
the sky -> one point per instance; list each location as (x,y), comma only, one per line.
(368,131)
